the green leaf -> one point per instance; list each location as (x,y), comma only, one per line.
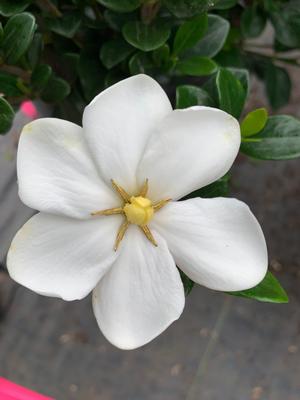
(197,66)
(121,5)
(9,85)
(56,91)
(161,56)
(1,32)
(279,140)
(40,76)
(146,37)
(11,7)
(220,188)
(269,290)
(189,33)
(243,76)
(189,95)
(214,38)
(18,34)
(224,4)
(278,86)
(66,26)
(188,284)
(141,63)
(6,115)
(116,20)
(286,22)
(253,21)
(115,51)
(35,50)
(254,122)
(91,75)
(187,8)
(231,93)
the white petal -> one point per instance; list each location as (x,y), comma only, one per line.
(118,123)
(141,295)
(216,242)
(56,172)
(190,149)
(62,257)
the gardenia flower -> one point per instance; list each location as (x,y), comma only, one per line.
(110,220)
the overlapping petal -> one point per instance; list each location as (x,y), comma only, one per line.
(62,257)
(56,172)
(141,295)
(218,242)
(118,123)
(190,149)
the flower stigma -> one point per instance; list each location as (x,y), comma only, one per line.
(138,210)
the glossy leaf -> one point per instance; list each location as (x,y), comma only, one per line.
(11,7)
(18,34)
(253,21)
(115,51)
(269,290)
(65,26)
(187,8)
(56,91)
(6,115)
(197,66)
(278,86)
(254,122)
(141,63)
(146,37)
(219,188)
(122,6)
(231,93)
(214,37)
(189,33)
(189,95)
(279,140)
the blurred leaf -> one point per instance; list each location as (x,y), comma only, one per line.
(35,50)
(115,51)
(254,122)
(66,26)
(214,37)
(279,140)
(189,95)
(116,20)
(224,4)
(57,90)
(278,86)
(189,33)
(91,74)
(9,85)
(140,63)
(187,8)
(188,284)
(40,76)
(18,34)
(286,22)
(220,188)
(253,21)
(121,5)
(231,93)
(243,76)
(197,66)
(146,37)
(11,7)
(269,290)
(161,56)
(6,115)
(1,32)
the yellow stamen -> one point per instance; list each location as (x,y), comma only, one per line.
(160,204)
(121,232)
(139,211)
(109,211)
(144,189)
(125,196)
(148,234)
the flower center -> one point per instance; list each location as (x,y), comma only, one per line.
(139,210)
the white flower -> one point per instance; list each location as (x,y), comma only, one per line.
(130,135)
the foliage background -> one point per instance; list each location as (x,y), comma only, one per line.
(201,51)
